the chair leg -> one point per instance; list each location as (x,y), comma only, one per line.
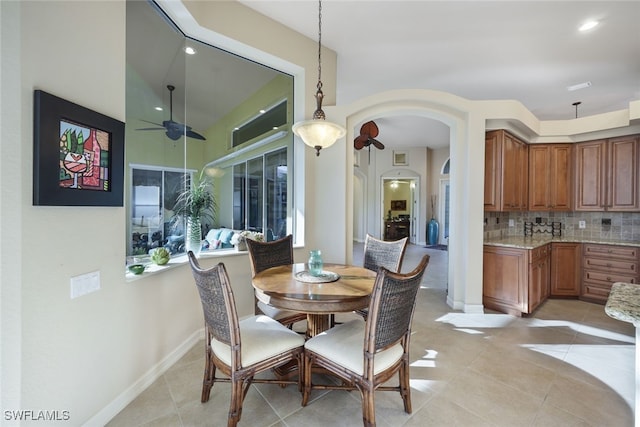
(405,388)
(209,376)
(306,378)
(235,406)
(368,406)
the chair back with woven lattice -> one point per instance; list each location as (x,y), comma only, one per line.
(218,303)
(379,253)
(391,306)
(265,255)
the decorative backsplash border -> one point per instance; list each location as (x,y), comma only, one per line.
(623,226)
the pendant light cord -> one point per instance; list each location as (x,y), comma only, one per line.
(319,44)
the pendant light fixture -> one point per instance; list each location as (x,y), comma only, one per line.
(317,132)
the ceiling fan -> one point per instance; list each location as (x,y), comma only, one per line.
(174,130)
(368,133)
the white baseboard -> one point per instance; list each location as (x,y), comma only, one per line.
(467,308)
(473,308)
(119,403)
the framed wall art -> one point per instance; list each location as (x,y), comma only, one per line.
(78,155)
(398,205)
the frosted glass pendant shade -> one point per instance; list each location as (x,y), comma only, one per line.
(318,133)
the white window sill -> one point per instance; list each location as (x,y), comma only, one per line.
(177,261)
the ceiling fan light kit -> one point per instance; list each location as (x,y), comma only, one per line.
(317,132)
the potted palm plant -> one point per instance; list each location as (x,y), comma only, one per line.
(195,204)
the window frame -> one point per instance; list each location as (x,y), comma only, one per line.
(154,168)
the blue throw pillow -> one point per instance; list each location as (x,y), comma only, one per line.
(225,235)
(213,234)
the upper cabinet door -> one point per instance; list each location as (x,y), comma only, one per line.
(492,169)
(550,177)
(622,192)
(506,176)
(607,175)
(591,175)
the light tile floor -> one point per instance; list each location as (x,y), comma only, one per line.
(568,364)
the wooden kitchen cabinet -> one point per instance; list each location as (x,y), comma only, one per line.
(550,177)
(607,174)
(565,269)
(506,172)
(603,265)
(515,281)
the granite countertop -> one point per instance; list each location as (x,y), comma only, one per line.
(531,242)
(624,303)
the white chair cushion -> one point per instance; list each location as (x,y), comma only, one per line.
(274,312)
(343,344)
(262,338)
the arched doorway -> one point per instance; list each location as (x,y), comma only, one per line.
(467,129)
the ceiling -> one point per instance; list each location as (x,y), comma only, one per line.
(211,83)
(530,51)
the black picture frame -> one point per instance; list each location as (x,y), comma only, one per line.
(51,180)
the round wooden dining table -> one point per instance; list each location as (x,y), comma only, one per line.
(340,288)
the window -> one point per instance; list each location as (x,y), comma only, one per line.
(260,200)
(271,119)
(153,196)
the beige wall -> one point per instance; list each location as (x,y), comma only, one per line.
(90,355)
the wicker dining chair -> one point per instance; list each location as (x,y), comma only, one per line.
(380,253)
(240,349)
(264,255)
(385,334)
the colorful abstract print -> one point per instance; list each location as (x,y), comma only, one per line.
(84,157)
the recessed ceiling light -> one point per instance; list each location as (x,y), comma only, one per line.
(189,50)
(588,25)
(159,108)
(578,86)
(263,111)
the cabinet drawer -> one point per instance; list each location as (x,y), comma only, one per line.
(595,291)
(538,253)
(620,252)
(604,277)
(612,265)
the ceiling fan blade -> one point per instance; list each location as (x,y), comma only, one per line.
(151,128)
(358,144)
(361,139)
(153,123)
(195,135)
(379,145)
(370,129)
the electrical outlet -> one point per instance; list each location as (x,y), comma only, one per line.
(582,224)
(606,221)
(512,223)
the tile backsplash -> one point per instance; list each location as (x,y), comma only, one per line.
(623,226)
